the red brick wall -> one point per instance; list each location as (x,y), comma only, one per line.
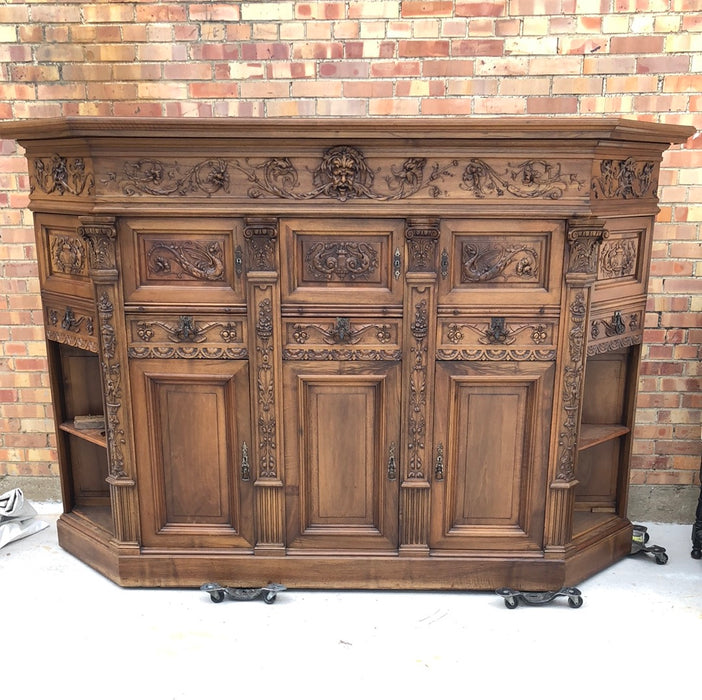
(634,58)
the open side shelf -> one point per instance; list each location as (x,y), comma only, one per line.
(592,434)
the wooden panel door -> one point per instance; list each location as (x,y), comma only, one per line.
(491,430)
(192,421)
(342,424)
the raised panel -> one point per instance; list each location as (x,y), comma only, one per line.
(187,261)
(62,256)
(341,432)
(501,262)
(624,259)
(491,424)
(341,261)
(190,454)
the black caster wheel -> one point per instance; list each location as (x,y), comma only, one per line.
(575,601)
(661,558)
(269,598)
(217,596)
(511,603)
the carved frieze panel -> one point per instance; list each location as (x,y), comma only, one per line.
(187,337)
(340,261)
(615,329)
(624,179)
(59,175)
(497,338)
(342,339)
(501,260)
(70,325)
(345,173)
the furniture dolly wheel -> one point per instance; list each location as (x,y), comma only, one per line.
(639,543)
(513,597)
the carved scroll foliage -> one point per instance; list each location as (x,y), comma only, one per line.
(530,179)
(497,332)
(624,179)
(178,259)
(484,262)
(342,332)
(572,378)
(112,382)
(341,260)
(61,175)
(342,173)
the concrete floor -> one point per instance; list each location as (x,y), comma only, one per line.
(69,632)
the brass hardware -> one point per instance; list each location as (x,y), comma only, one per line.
(444,264)
(238,260)
(245,468)
(392,463)
(439,469)
(397,263)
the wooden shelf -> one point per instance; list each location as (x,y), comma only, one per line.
(592,434)
(96,436)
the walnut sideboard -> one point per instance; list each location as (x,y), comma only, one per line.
(344,353)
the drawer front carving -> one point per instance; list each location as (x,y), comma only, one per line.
(182,261)
(497,338)
(337,261)
(622,265)
(342,338)
(483,260)
(71,323)
(187,337)
(613,328)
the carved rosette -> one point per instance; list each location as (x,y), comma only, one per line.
(260,235)
(572,389)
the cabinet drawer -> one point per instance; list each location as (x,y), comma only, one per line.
(182,261)
(500,262)
(497,338)
(614,327)
(342,338)
(341,261)
(202,336)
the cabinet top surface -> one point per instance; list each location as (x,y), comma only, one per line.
(456,129)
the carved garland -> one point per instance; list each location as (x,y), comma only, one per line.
(418,387)
(266,391)
(572,389)
(112,374)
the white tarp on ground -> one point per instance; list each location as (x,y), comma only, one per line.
(17,517)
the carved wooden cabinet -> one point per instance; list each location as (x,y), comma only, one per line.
(396,354)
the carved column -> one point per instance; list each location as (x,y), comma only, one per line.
(421,235)
(101,236)
(265,355)
(584,239)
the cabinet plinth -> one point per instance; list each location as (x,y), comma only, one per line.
(344,354)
